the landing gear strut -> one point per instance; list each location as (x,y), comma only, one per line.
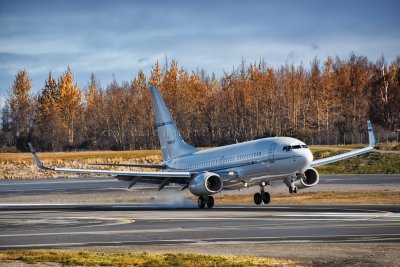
(292,188)
(203,201)
(262,196)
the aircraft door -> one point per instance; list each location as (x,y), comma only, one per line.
(271,152)
(222,161)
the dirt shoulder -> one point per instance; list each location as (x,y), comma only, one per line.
(307,254)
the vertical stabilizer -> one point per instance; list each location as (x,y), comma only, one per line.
(172,144)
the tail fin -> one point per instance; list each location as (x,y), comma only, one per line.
(172,144)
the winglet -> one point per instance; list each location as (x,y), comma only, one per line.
(37,160)
(371,135)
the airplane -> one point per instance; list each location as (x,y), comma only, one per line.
(235,166)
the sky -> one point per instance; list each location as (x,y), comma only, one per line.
(115,39)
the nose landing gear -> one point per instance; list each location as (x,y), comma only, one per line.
(292,189)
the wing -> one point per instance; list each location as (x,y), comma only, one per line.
(152,166)
(357,152)
(161,178)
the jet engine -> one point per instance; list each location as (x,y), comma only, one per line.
(307,179)
(206,183)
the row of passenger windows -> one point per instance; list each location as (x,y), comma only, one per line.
(201,164)
(288,148)
(248,156)
(221,161)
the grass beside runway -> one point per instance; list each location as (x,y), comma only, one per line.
(21,165)
(334,197)
(372,163)
(82,258)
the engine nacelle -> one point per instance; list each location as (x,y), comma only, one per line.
(206,183)
(307,179)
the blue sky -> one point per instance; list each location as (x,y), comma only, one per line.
(117,38)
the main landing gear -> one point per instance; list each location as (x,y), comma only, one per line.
(262,196)
(207,200)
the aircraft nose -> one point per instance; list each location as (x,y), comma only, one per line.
(305,156)
(309,156)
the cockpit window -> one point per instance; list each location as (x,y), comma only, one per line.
(287,148)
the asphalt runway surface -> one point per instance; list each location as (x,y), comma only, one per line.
(81,226)
(98,185)
(101,214)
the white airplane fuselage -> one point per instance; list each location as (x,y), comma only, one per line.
(244,164)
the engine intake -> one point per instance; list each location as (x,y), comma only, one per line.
(206,183)
(310,178)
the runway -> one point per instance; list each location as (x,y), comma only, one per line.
(101,214)
(85,226)
(99,185)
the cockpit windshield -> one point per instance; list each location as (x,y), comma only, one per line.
(288,148)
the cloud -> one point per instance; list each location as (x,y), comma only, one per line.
(314,46)
(123,37)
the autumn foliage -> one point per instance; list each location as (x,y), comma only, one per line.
(325,103)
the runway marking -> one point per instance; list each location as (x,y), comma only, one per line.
(271,216)
(106,232)
(220,241)
(197,229)
(63,221)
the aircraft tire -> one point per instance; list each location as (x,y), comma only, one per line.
(210,202)
(201,202)
(257,198)
(266,198)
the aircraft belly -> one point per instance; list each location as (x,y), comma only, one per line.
(253,170)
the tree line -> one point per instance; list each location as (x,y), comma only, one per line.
(325,103)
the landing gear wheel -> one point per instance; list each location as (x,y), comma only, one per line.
(257,198)
(295,190)
(266,198)
(201,202)
(210,201)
